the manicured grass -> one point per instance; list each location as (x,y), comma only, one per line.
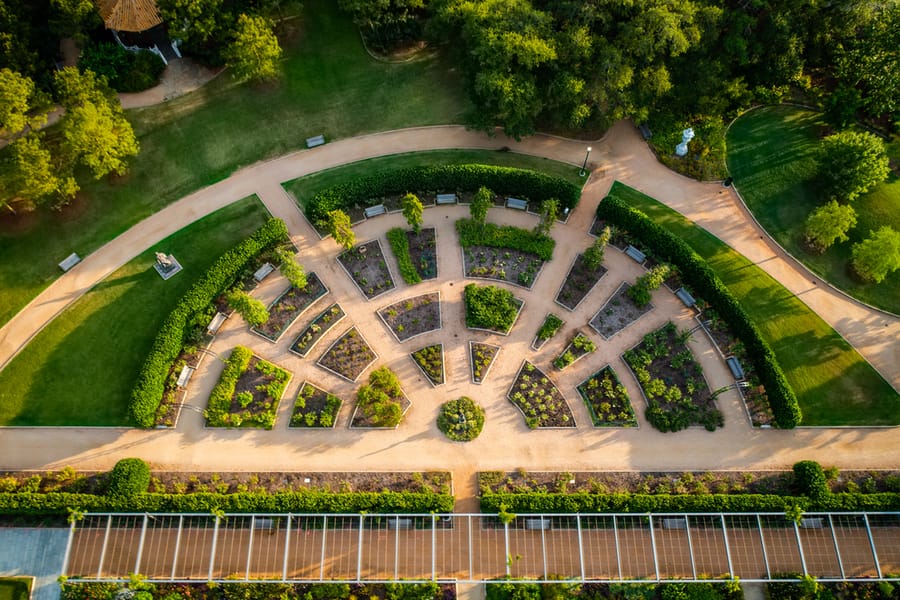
(80,369)
(833,383)
(305,188)
(771,157)
(15,588)
(330,86)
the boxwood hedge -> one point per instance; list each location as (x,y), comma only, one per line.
(699,276)
(507,181)
(150,386)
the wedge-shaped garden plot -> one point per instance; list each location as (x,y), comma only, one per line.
(381,403)
(578,283)
(548,329)
(481,357)
(579,347)
(491,308)
(617,313)
(314,407)
(541,402)
(430,360)
(607,400)
(348,356)
(319,326)
(248,392)
(416,253)
(414,316)
(368,269)
(288,307)
(503,252)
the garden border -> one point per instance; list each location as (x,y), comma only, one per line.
(566,347)
(472,365)
(586,294)
(462,250)
(386,266)
(298,315)
(364,369)
(607,302)
(504,334)
(544,342)
(327,309)
(274,409)
(558,389)
(394,428)
(300,389)
(590,409)
(440,316)
(443,365)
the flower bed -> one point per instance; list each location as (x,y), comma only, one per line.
(367,267)
(502,264)
(491,308)
(314,407)
(541,402)
(481,356)
(248,392)
(617,313)
(673,383)
(288,307)
(607,400)
(413,316)
(416,253)
(430,360)
(319,326)
(348,356)
(580,346)
(461,420)
(381,403)
(578,283)
(548,329)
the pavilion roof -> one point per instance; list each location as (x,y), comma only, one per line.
(129,15)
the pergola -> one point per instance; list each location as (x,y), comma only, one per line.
(480,547)
(129,15)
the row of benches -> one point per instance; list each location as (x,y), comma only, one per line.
(442,199)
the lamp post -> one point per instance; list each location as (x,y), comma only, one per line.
(584,166)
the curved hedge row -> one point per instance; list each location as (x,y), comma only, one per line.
(698,274)
(150,386)
(507,181)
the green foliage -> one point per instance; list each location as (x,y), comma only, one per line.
(521,183)
(593,256)
(412,211)
(878,255)
(30,176)
(193,306)
(130,476)
(18,100)
(550,326)
(707,285)
(254,52)
(291,269)
(380,399)
(252,310)
(219,411)
(338,225)
(125,71)
(512,590)
(220,398)
(481,203)
(490,307)
(387,25)
(646,283)
(400,246)
(829,223)
(809,477)
(504,236)
(549,214)
(851,163)
(461,420)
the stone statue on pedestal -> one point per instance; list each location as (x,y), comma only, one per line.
(686,136)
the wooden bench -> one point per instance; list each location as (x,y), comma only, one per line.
(314,141)
(537,523)
(638,256)
(69,262)
(735,366)
(645,132)
(263,271)
(374,211)
(446,199)
(399,523)
(184,376)
(516,203)
(685,297)
(677,523)
(216,323)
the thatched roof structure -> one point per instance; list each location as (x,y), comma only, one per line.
(129,15)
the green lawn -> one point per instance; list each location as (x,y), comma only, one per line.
(330,86)
(80,369)
(15,588)
(305,188)
(771,157)
(833,383)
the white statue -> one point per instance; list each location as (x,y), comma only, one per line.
(686,136)
(163,260)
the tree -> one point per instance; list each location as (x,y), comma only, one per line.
(21,105)
(252,310)
(70,18)
(291,269)
(481,203)
(99,137)
(828,223)
(338,225)
(877,256)
(386,24)
(203,25)
(851,163)
(809,477)
(30,177)
(593,256)
(412,211)
(254,53)
(549,212)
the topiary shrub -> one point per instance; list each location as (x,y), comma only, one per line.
(809,477)
(130,476)
(461,420)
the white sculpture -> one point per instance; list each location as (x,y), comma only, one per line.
(163,260)
(686,136)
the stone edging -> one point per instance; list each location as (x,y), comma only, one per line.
(563,283)
(637,422)
(297,316)
(340,337)
(558,389)
(396,337)
(338,320)
(386,266)
(624,283)
(443,365)
(300,389)
(472,362)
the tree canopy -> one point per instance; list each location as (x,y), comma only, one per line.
(829,223)
(254,53)
(851,163)
(877,256)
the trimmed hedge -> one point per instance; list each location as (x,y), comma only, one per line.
(130,476)
(400,245)
(698,274)
(472,233)
(508,181)
(150,386)
(542,502)
(811,481)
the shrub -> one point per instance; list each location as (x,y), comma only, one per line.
(412,211)
(220,398)
(551,325)
(593,256)
(400,246)
(490,307)
(646,283)
(504,236)
(851,163)
(878,255)
(809,477)
(829,223)
(125,71)
(291,269)
(129,477)
(461,420)
(252,310)
(481,203)
(380,399)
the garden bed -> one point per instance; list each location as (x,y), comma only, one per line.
(490,308)
(617,313)
(619,239)
(461,420)
(368,269)
(248,392)
(430,360)
(348,356)
(481,357)
(314,407)
(548,329)
(423,252)
(578,283)
(672,381)
(413,316)
(502,264)
(381,403)
(170,405)
(579,347)
(541,402)
(317,329)
(288,307)
(607,400)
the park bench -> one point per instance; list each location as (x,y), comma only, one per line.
(69,262)
(184,376)
(645,132)
(446,199)
(516,203)
(263,271)
(812,523)
(314,141)
(399,523)
(374,211)
(638,256)
(537,523)
(266,524)
(735,366)
(674,523)
(685,297)
(216,323)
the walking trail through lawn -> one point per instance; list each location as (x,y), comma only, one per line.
(506,443)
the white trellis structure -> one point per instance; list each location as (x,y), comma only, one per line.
(480,547)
